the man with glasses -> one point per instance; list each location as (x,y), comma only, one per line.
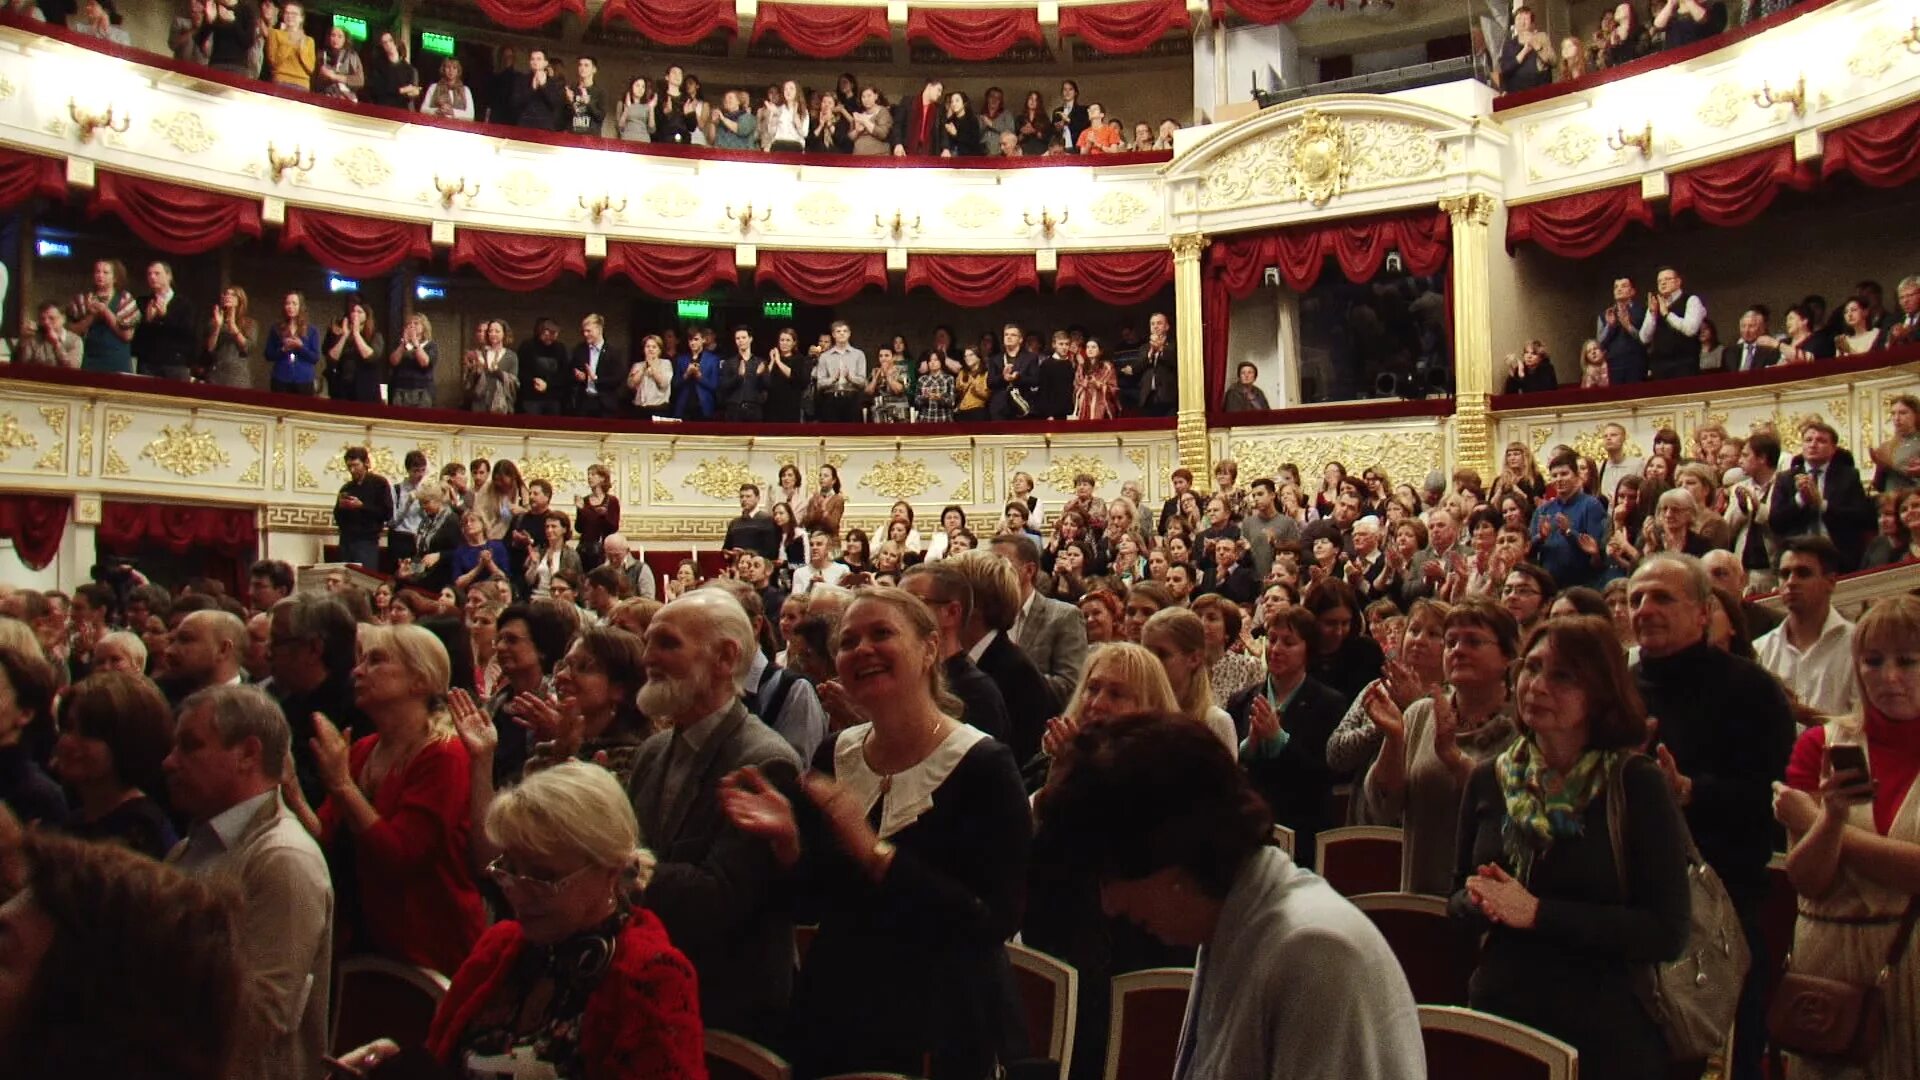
(311,640)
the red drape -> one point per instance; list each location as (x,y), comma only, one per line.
(974,33)
(363,247)
(1882,150)
(674,22)
(1738,189)
(1578,226)
(35,524)
(1261,11)
(823,31)
(528,14)
(821,277)
(519,261)
(972,280)
(22,176)
(1120,278)
(175,219)
(228,531)
(669,271)
(1118,29)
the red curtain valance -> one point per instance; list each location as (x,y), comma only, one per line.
(669,271)
(35,524)
(674,22)
(823,31)
(1120,278)
(972,280)
(125,526)
(821,277)
(1118,29)
(1883,150)
(1261,11)
(516,261)
(172,218)
(974,33)
(363,247)
(1738,189)
(23,176)
(1578,226)
(529,14)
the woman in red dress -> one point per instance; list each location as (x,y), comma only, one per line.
(1096,386)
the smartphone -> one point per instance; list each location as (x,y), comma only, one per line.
(1848,758)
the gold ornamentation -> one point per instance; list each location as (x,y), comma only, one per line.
(1307,160)
(554,469)
(963,460)
(838,461)
(1061,471)
(660,492)
(1722,106)
(1838,408)
(363,166)
(1875,56)
(185,131)
(1391,150)
(86,509)
(671,200)
(1571,145)
(55,417)
(659,458)
(186,451)
(7,89)
(1138,455)
(1188,246)
(1537,437)
(115,465)
(823,209)
(900,478)
(636,476)
(306,519)
(380,460)
(256,436)
(1402,453)
(86,441)
(1117,208)
(973,211)
(1473,208)
(524,189)
(721,477)
(13,437)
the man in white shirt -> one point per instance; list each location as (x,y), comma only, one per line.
(820,568)
(1671,329)
(840,376)
(1749,504)
(1617,465)
(1812,651)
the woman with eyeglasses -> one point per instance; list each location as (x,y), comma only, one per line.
(581,980)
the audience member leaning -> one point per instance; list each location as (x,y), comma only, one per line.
(115,730)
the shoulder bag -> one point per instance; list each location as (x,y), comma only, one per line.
(1818,1017)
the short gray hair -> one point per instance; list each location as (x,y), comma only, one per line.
(1699,585)
(1680,497)
(1911,281)
(240,712)
(225,625)
(729,622)
(322,617)
(130,641)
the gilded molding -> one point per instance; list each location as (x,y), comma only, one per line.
(900,478)
(55,459)
(1723,105)
(963,460)
(1403,454)
(86,440)
(1875,56)
(974,211)
(1319,157)
(117,422)
(7,89)
(823,209)
(554,469)
(256,436)
(721,477)
(14,437)
(1571,145)
(308,519)
(671,200)
(1188,246)
(1118,208)
(1473,208)
(1060,472)
(186,451)
(185,131)
(523,189)
(363,166)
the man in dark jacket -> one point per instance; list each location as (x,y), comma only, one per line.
(1157,368)
(362,510)
(1010,372)
(599,376)
(545,367)
(166,342)
(540,97)
(1821,494)
(947,595)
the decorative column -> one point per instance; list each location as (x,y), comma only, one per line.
(1472,329)
(1190,347)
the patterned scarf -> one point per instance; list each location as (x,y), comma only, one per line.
(1543,804)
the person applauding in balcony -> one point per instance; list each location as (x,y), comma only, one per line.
(353,352)
(50,343)
(449,99)
(872,123)
(290,51)
(829,126)
(586,111)
(734,126)
(539,97)
(491,373)
(959,134)
(293,349)
(105,319)
(1628,42)
(1526,59)
(887,389)
(231,337)
(1096,384)
(547,377)
(742,394)
(1802,344)
(634,120)
(1687,21)
(1245,394)
(1101,136)
(391,81)
(1862,334)
(340,73)
(411,383)
(1532,372)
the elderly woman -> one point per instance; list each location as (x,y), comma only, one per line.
(1415,670)
(1431,746)
(1567,927)
(908,971)
(1702,481)
(1670,528)
(1228,670)
(1851,805)
(1282,725)
(1178,637)
(1105,613)
(115,729)
(121,650)
(27,684)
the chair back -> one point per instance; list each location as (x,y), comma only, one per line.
(1143,1036)
(1359,859)
(1433,954)
(731,1057)
(1049,1000)
(377,998)
(1464,1043)
(1283,838)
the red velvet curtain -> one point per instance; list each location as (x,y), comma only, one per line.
(1883,150)
(1578,226)
(35,524)
(974,33)
(1118,29)
(125,526)
(362,247)
(669,271)
(519,261)
(174,219)
(674,22)
(972,280)
(1261,11)
(1739,189)
(529,14)
(821,277)
(1120,278)
(22,176)
(822,31)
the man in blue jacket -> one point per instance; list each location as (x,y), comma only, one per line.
(696,377)
(1570,529)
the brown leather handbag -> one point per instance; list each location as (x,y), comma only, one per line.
(1818,1017)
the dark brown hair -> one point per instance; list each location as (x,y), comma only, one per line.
(1590,650)
(129,714)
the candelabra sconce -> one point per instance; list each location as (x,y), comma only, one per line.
(1046,221)
(899,225)
(1768,97)
(600,207)
(747,215)
(458,189)
(90,121)
(1911,39)
(1641,140)
(298,161)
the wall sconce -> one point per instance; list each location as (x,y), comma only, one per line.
(601,206)
(89,121)
(1046,220)
(747,215)
(1768,97)
(1641,141)
(459,188)
(1912,37)
(280,162)
(898,225)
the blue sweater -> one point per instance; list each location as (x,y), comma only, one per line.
(1559,554)
(293,365)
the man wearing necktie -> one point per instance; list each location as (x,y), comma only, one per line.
(1906,326)
(1747,353)
(599,380)
(1821,494)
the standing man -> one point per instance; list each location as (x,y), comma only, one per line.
(1906,325)
(205,650)
(1051,632)
(1053,381)
(362,510)
(586,112)
(742,393)
(1010,373)
(545,385)
(1821,495)
(1157,365)
(945,591)
(599,378)
(1811,653)
(750,531)
(916,123)
(539,99)
(840,378)
(166,341)
(1617,466)
(1569,529)
(1619,335)
(1671,328)
(403,537)
(1750,508)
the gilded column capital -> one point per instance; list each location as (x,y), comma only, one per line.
(1188,246)
(1475,208)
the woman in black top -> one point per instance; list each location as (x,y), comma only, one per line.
(1347,659)
(788,372)
(391,81)
(911,845)
(1565,924)
(1034,128)
(115,730)
(831,131)
(959,134)
(1629,41)
(27,683)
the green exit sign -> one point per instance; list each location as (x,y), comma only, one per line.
(355,28)
(437,43)
(777,309)
(693,309)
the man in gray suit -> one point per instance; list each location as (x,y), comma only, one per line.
(229,756)
(1052,633)
(714,886)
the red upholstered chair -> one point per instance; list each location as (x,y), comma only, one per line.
(1436,959)
(1359,858)
(1143,1037)
(377,998)
(1049,999)
(1464,1043)
(730,1057)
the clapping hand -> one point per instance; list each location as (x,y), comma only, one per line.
(1263,722)
(475,727)
(1059,735)
(758,809)
(1502,899)
(332,749)
(1383,711)
(842,713)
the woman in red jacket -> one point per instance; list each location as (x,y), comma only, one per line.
(577,980)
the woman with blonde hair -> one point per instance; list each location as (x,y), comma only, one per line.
(1179,638)
(231,339)
(651,380)
(1518,472)
(448,98)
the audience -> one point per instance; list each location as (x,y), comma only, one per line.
(115,730)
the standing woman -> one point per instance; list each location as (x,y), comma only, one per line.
(959,134)
(411,383)
(1518,472)
(293,349)
(1897,460)
(1178,638)
(1566,927)
(115,730)
(793,539)
(491,373)
(651,380)
(1033,125)
(829,130)
(634,118)
(1228,671)
(792,491)
(826,506)
(231,338)
(352,351)
(995,119)
(596,516)
(1854,857)
(1096,385)
(931,894)
(788,374)
(105,319)
(391,80)
(503,499)
(449,98)
(972,388)
(1283,723)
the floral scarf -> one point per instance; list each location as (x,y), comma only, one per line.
(1544,805)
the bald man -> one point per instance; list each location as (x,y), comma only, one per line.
(207,649)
